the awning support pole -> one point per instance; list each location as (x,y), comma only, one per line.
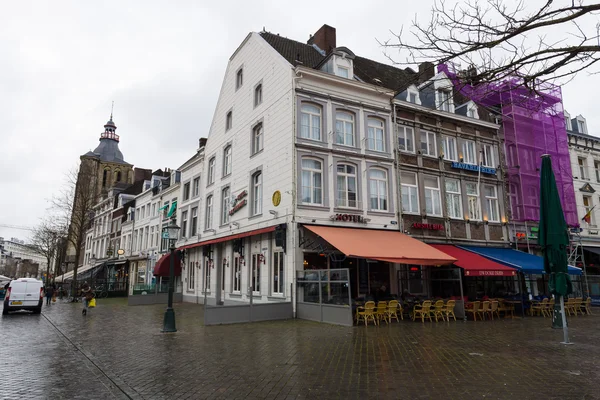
(521,295)
(462,296)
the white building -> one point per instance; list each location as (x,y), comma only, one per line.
(19,250)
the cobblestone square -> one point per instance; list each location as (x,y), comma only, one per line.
(119,352)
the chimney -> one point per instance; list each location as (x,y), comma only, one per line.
(324,38)
(426,71)
(202,143)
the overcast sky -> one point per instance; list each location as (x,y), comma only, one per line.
(63,62)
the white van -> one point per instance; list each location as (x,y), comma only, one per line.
(24,294)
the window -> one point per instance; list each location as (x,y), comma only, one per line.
(209,213)
(473,200)
(582,168)
(186,191)
(255,281)
(469,153)
(445,100)
(184,221)
(375,140)
(151,236)
(346,186)
(410,198)
(258,95)
(343,72)
(433,199)
(453,199)
(597,170)
(568,123)
(225,193)
(146,239)
(449,148)
(257,193)
(581,126)
(413,97)
(257,138)
(239,78)
(194,222)
(211,170)
(491,203)
(310,122)
(428,144)
(191,276)
(344,128)
(207,270)
(229,121)
(312,181)
(406,139)
(237,275)
(588,206)
(153,209)
(196,187)
(378,189)
(488,156)
(118,176)
(278,282)
(227,160)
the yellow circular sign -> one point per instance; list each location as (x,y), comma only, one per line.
(276,198)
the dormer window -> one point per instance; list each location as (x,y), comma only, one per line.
(445,100)
(568,125)
(581,128)
(342,71)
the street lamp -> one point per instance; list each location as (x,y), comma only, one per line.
(170,232)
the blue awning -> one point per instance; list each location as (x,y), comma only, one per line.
(525,262)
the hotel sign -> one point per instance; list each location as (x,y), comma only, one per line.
(431,227)
(348,218)
(476,168)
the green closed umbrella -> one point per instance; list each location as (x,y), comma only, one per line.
(554,239)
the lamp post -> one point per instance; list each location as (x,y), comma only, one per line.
(171,233)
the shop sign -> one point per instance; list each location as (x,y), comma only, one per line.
(238,202)
(489,273)
(348,218)
(593,232)
(276,198)
(476,168)
(431,227)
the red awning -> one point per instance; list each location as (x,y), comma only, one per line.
(230,237)
(474,264)
(163,266)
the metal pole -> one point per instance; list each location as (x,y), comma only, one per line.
(250,290)
(462,296)
(169,320)
(587,287)
(521,295)
(564,321)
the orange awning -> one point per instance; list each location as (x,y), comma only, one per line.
(390,246)
(230,237)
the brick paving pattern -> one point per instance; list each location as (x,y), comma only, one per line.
(118,352)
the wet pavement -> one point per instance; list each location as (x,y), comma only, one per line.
(118,352)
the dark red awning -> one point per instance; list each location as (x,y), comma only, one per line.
(163,266)
(474,264)
(230,237)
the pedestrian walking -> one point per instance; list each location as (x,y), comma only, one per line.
(86,296)
(49,294)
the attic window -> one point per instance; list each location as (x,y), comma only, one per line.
(581,128)
(412,96)
(445,100)
(342,71)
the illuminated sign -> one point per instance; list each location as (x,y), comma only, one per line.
(431,227)
(239,202)
(349,218)
(476,168)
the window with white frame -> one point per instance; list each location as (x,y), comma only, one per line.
(413,97)
(239,78)
(237,275)
(194,222)
(346,186)
(151,236)
(257,138)
(184,222)
(344,128)
(312,181)
(229,120)
(227,160)
(473,201)
(453,198)
(211,170)
(258,95)
(491,203)
(410,190)
(153,209)
(469,152)
(310,122)
(406,139)
(582,168)
(257,193)
(146,238)
(186,191)
(375,134)
(225,193)
(195,187)
(488,156)
(433,197)
(255,278)
(209,213)
(191,276)
(597,170)
(428,147)
(581,126)
(449,148)
(378,189)
(278,281)
(445,100)
(588,205)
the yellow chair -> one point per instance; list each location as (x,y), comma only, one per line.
(588,306)
(449,309)
(367,313)
(579,305)
(570,307)
(485,308)
(438,310)
(538,308)
(473,310)
(381,312)
(494,309)
(549,308)
(392,310)
(422,311)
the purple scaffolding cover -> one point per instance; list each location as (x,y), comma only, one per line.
(533,125)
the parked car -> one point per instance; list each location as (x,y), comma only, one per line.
(24,294)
